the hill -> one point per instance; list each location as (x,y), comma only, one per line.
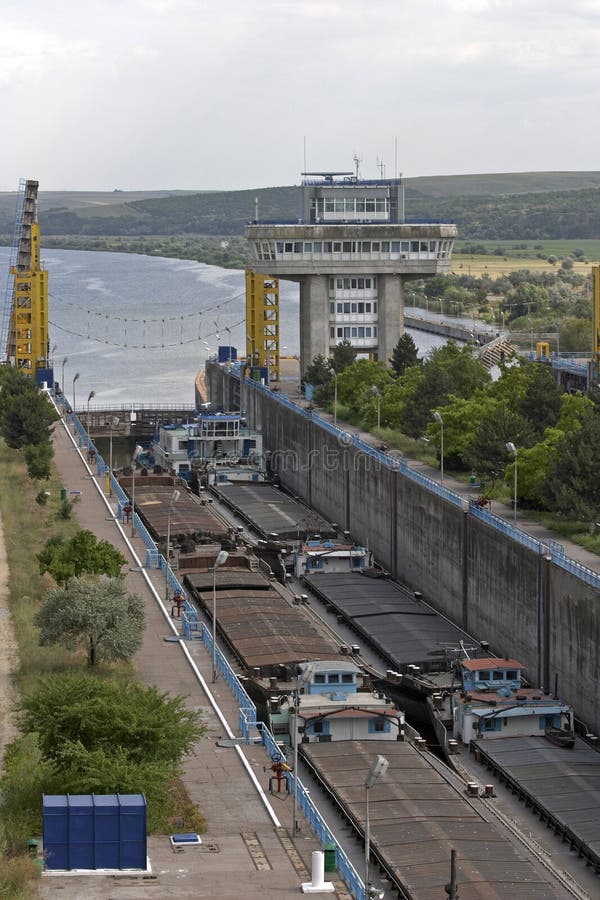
(512,206)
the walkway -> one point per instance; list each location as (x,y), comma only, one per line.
(244,852)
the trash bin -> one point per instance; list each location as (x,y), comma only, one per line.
(32,847)
(63,493)
(330,860)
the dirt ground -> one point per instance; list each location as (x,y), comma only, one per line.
(8,653)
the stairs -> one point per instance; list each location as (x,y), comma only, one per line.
(497,351)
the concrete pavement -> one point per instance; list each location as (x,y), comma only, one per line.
(246,850)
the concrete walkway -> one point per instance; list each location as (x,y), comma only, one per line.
(246,851)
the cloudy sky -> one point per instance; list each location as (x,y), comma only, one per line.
(155,94)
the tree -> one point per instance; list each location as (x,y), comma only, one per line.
(25,414)
(38,458)
(318,373)
(98,615)
(404,355)
(486,452)
(82,554)
(343,356)
(571,487)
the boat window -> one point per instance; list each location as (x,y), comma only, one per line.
(379,726)
(319,678)
(334,678)
(494,724)
(347,678)
(497,675)
(512,674)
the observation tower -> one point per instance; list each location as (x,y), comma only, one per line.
(351,250)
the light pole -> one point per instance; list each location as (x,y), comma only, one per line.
(220,559)
(438,418)
(295,823)
(252,352)
(174,498)
(90,396)
(136,453)
(75,377)
(62,377)
(376,394)
(334,396)
(228,330)
(379,767)
(113,422)
(513,450)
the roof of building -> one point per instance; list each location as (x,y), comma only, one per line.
(479,665)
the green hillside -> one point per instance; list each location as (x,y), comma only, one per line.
(514,206)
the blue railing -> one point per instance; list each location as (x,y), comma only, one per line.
(247,709)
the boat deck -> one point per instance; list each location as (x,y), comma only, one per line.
(269,511)
(403,628)
(561,785)
(417,817)
(188,516)
(262,628)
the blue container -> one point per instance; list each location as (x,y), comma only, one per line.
(90,831)
(227,354)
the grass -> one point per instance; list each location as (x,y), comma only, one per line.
(27,526)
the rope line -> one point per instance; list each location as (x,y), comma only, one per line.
(144,345)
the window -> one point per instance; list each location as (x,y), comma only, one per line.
(320,678)
(289,247)
(353,307)
(347,678)
(404,246)
(375,308)
(367,307)
(379,726)
(340,332)
(361,331)
(279,246)
(414,246)
(353,283)
(375,331)
(319,727)
(337,246)
(370,205)
(353,333)
(297,246)
(375,246)
(347,333)
(385,246)
(332,333)
(340,307)
(497,675)
(333,678)
(424,246)
(366,246)
(346,284)
(347,308)
(331,284)
(327,246)
(361,308)
(361,284)
(511,674)
(395,246)
(318,246)
(367,332)
(308,247)
(347,247)
(491,724)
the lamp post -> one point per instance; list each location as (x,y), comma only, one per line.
(334,373)
(113,422)
(377,395)
(90,396)
(220,559)
(378,768)
(62,377)
(513,450)
(228,330)
(438,418)
(295,823)
(136,453)
(75,377)
(174,498)
(252,352)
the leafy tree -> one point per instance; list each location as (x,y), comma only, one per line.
(486,452)
(355,383)
(448,371)
(343,356)
(571,486)
(318,372)
(39,458)
(404,355)
(25,414)
(70,709)
(98,615)
(82,554)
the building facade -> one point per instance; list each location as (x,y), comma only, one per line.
(351,250)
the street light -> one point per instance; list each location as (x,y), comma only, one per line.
(438,418)
(252,351)
(376,394)
(174,498)
(228,330)
(76,376)
(113,422)
(220,559)
(513,450)
(90,396)
(379,767)
(136,453)
(295,823)
(62,378)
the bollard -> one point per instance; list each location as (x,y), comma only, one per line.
(318,885)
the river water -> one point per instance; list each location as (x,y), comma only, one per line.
(138,328)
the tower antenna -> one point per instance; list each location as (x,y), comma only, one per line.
(357,162)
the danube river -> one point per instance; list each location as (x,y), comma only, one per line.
(138,328)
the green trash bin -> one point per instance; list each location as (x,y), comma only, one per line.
(63,493)
(330,861)
(32,847)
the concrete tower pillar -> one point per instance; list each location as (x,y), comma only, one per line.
(390,294)
(314,318)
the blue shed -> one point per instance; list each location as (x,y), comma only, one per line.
(94,831)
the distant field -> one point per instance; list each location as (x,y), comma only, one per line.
(516,258)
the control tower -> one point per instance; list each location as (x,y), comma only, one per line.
(351,250)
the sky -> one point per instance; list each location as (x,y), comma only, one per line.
(233,94)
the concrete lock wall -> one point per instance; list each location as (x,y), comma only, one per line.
(499,590)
